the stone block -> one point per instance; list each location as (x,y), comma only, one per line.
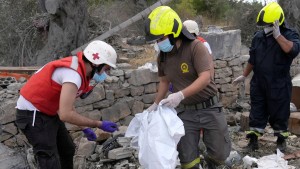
(116,112)
(102,104)
(218,64)
(295,96)
(116,72)
(136,90)
(122,92)
(294,123)
(120,153)
(142,76)
(224,44)
(137,107)
(97,94)
(102,135)
(149,98)
(150,88)
(8,111)
(244,122)
(86,148)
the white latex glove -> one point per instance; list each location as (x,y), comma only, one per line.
(239,80)
(153,107)
(276,30)
(173,100)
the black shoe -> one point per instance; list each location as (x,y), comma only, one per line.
(212,164)
(253,144)
(281,143)
(209,163)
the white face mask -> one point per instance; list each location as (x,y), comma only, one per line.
(268,29)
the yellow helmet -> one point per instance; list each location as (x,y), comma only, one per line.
(162,21)
(269,14)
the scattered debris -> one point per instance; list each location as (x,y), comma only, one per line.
(293,155)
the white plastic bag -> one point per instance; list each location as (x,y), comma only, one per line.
(274,161)
(156,134)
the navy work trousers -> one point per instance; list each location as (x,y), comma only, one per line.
(52,145)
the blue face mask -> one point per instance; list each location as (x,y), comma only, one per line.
(165,45)
(100,77)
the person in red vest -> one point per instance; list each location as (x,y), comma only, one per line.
(47,101)
(193,28)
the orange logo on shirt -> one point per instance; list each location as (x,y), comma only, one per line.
(184,68)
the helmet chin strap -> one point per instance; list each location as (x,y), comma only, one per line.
(96,69)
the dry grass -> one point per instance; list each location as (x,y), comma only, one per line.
(148,55)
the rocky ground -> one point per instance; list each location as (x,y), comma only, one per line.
(267,146)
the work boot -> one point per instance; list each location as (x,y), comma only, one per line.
(281,143)
(214,166)
(253,144)
(211,164)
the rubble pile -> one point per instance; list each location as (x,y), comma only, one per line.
(113,153)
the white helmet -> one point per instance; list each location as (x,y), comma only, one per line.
(99,52)
(191,26)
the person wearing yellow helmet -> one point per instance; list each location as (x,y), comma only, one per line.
(186,63)
(271,54)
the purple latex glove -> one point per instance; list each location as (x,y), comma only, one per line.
(89,134)
(108,126)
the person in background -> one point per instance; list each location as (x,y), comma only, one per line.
(271,54)
(186,63)
(47,101)
(193,28)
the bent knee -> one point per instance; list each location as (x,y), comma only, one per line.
(47,158)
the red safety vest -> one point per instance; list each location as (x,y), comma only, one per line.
(44,93)
(201,39)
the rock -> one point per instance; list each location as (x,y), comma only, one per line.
(245,121)
(294,122)
(11,159)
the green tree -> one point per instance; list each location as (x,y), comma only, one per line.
(214,9)
(184,8)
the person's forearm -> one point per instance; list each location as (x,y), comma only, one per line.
(163,88)
(200,83)
(285,44)
(75,118)
(248,69)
